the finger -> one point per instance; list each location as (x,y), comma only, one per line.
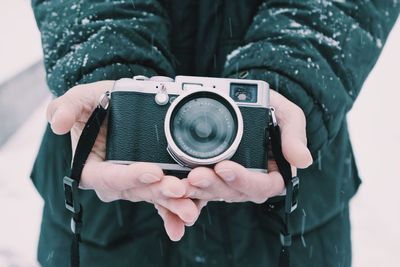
(106,175)
(184,208)
(205,184)
(76,104)
(292,122)
(156,193)
(256,185)
(174,226)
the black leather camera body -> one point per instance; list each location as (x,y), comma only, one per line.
(188,122)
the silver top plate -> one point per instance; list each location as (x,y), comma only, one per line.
(158,84)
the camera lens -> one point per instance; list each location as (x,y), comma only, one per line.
(204,125)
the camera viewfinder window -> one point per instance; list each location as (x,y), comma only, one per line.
(242,92)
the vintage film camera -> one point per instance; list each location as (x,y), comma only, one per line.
(187,122)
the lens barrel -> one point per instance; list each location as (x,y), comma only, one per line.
(202,128)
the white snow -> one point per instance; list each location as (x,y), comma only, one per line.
(280,11)
(85,21)
(20,44)
(236,52)
(375,133)
(294,24)
(379,43)
(308,33)
(20,204)
(85,60)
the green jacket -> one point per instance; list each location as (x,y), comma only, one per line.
(316,53)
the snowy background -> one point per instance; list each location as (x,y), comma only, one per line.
(374,125)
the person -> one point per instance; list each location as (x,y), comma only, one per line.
(315,54)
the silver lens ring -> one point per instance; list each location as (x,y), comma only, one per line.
(184,158)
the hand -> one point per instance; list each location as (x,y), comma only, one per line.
(135,182)
(232,182)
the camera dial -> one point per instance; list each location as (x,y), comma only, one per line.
(203,127)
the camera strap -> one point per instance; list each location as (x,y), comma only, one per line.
(292,188)
(71,182)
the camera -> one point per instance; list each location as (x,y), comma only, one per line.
(188,121)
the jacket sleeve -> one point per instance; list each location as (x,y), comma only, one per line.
(317,53)
(87,41)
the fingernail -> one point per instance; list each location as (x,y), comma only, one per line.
(308,155)
(201,183)
(227,175)
(148,178)
(310,160)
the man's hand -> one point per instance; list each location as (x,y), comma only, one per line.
(231,182)
(135,182)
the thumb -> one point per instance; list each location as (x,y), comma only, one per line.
(75,105)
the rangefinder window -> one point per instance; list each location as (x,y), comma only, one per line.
(242,92)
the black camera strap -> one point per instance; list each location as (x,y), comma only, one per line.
(71,182)
(291,185)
